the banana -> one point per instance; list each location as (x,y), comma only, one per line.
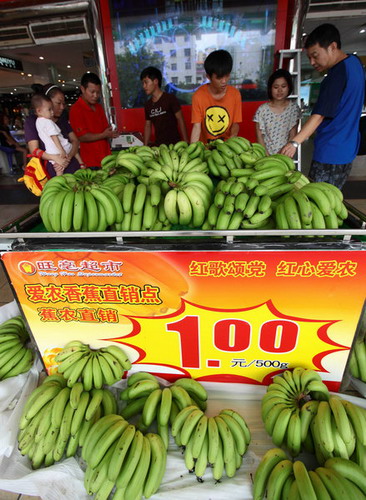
(226,438)
(66,212)
(360,352)
(292,213)
(202,459)
(293,434)
(219,199)
(357,419)
(303,481)
(137,376)
(96,480)
(189,426)
(165,407)
(241,201)
(179,420)
(106,441)
(219,465)
(213,440)
(119,454)
(79,414)
(198,207)
(318,197)
(97,373)
(270,459)
(171,206)
(94,403)
(237,432)
(240,421)
(128,196)
(131,460)
(91,210)
(277,478)
(107,373)
(277,191)
(135,486)
(235,222)
(114,364)
(340,449)
(212,214)
(307,413)
(75,394)
(140,196)
(43,397)
(251,206)
(64,433)
(150,409)
(155,194)
(75,372)
(260,217)
(332,482)
(19,366)
(142,388)
(120,355)
(281,426)
(318,486)
(184,208)
(304,206)
(133,408)
(318,389)
(157,466)
(349,470)
(323,418)
(343,424)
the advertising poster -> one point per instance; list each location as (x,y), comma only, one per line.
(227,316)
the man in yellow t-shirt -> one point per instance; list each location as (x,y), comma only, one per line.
(216,106)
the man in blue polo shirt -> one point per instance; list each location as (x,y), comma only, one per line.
(336,114)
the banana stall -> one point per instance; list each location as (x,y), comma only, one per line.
(228,308)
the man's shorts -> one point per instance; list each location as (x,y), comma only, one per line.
(327,172)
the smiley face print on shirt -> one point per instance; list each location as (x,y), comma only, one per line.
(216,120)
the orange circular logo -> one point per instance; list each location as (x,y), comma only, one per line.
(27,267)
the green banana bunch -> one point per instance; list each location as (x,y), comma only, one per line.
(15,356)
(219,441)
(357,360)
(105,366)
(144,397)
(280,478)
(84,201)
(56,418)
(290,406)
(118,455)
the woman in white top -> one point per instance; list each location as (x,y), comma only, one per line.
(277,120)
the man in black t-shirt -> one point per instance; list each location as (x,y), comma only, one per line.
(162,111)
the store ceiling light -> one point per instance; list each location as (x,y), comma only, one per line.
(41,58)
(68,66)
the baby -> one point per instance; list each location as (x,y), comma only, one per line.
(50,134)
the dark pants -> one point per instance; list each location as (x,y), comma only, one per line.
(327,172)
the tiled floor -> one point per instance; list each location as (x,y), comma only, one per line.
(9,213)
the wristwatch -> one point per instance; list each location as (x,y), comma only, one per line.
(294,143)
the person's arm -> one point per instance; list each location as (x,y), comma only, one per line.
(293,132)
(147,132)
(308,129)
(58,145)
(108,133)
(34,144)
(196,132)
(260,138)
(74,141)
(80,160)
(234,130)
(182,125)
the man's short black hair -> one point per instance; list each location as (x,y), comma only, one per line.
(90,78)
(324,35)
(152,73)
(219,62)
(279,73)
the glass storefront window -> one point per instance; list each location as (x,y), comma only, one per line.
(177,35)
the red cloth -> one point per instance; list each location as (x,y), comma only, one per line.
(216,115)
(83,120)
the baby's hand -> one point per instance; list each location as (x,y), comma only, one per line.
(58,169)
